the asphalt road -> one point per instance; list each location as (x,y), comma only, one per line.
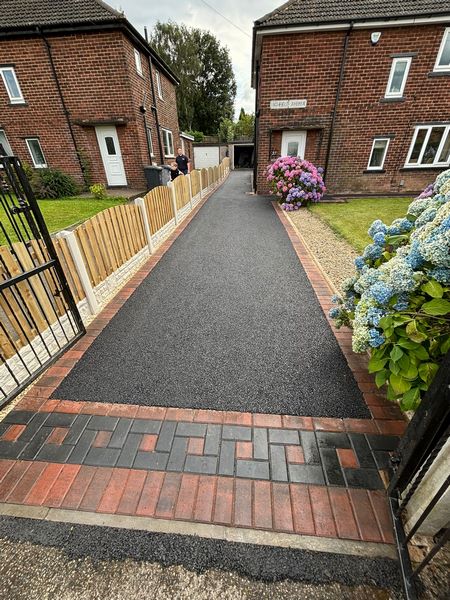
(227,320)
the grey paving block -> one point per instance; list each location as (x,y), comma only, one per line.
(120,433)
(227,453)
(54,453)
(82,448)
(129,450)
(260,445)
(19,417)
(331,439)
(369,479)
(151,461)
(310,448)
(36,443)
(59,419)
(79,425)
(102,457)
(206,465)
(213,439)
(383,442)
(191,429)
(237,432)
(252,469)
(101,423)
(177,454)
(145,426)
(166,435)
(332,467)
(283,436)
(306,474)
(278,463)
(11,449)
(34,426)
(362,450)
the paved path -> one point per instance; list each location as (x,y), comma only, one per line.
(228,321)
(276,471)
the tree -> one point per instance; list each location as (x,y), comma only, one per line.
(245,127)
(226,130)
(207,85)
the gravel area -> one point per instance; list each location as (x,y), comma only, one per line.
(335,255)
(227,320)
(65,562)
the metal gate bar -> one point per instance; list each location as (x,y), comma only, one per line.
(39,319)
(425,437)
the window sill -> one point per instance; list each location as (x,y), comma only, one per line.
(18,103)
(439,73)
(388,100)
(423,168)
(374,171)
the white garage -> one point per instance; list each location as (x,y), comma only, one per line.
(206,156)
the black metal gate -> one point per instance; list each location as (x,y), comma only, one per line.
(424,439)
(39,319)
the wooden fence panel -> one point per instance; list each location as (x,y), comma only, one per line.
(182,194)
(204,177)
(210,175)
(159,207)
(66,260)
(110,239)
(196,182)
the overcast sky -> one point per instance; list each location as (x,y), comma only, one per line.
(195,13)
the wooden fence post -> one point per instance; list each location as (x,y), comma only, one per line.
(174,202)
(140,202)
(81,269)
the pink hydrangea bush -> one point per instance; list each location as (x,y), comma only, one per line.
(296,182)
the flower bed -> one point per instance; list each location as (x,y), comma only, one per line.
(398,303)
(295,182)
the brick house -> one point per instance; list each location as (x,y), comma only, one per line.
(361,89)
(82,91)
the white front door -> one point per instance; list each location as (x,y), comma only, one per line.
(108,142)
(293,143)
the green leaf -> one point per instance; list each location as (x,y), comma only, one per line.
(445,346)
(433,288)
(376,364)
(396,353)
(436,307)
(408,344)
(399,385)
(427,371)
(410,373)
(404,362)
(386,322)
(381,377)
(410,399)
(421,353)
(391,395)
(394,367)
(414,333)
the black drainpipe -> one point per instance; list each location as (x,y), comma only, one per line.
(61,97)
(154,108)
(338,95)
(255,164)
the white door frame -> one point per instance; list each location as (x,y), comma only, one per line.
(297,136)
(112,162)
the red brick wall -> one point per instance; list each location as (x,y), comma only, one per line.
(307,66)
(167,110)
(100,83)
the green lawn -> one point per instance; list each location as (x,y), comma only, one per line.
(351,220)
(62,213)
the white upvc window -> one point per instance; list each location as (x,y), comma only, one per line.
(397,77)
(430,146)
(378,154)
(443,57)
(159,85)
(137,60)
(36,153)
(169,150)
(5,143)
(12,85)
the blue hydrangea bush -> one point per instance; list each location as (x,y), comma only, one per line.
(398,303)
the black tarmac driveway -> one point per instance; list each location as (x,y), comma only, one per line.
(227,320)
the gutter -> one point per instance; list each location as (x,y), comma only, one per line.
(63,103)
(338,95)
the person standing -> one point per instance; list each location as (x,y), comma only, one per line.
(182,161)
